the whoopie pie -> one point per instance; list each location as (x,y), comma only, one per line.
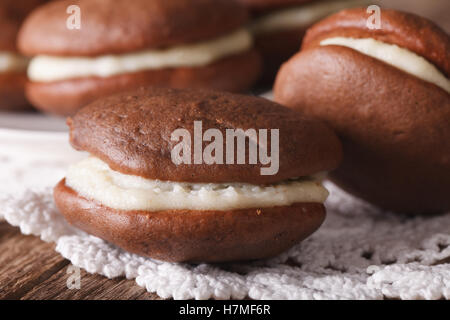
(132,193)
(386,92)
(279,26)
(13,66)
(123,44)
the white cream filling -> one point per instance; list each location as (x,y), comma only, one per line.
(301,16)
(93,179)
(53,68)
(12,62)
(393,55)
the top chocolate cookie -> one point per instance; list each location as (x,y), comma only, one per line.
(12,13)
(406,30)
(115,26)
(132,133)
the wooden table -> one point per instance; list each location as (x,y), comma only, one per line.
(32,269)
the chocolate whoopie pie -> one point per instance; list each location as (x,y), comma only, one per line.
(279,26)
(131,192)
(387,94)
(123,44)
(13,65)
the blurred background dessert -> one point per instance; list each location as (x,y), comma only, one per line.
(124,44)
(386,92)
(279,26)
(13,65)
(62,84)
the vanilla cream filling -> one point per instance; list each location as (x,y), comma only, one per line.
(301,16)
(393,55)
(93,179)
(12,62)
(53,68)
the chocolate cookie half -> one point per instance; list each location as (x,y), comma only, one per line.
(279,26)
(131,192)
(13,65)
(122,44)
(387,94)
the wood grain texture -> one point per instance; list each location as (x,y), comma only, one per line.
(32,269)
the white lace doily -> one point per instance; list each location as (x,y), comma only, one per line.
(359,253)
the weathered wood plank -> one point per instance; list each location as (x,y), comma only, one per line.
(93,287)
(31,269)
(25,261)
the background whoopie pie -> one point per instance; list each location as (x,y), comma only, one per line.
(124,44)
(12,64)
(279,26)
(130,193)
(386,93)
